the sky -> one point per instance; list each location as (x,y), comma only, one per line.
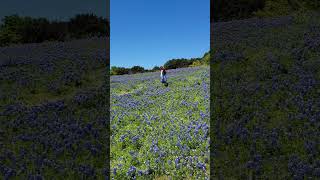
(54,9)
(150,32)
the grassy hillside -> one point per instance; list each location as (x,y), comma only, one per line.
(53,117)
(266,90)
(160,132)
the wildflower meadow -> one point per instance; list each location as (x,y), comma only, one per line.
(266,98)
(160,132)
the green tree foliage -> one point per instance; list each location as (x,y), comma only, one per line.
(171,64)
(196,63)
(87,24)
(11,29)
(156,68)
(278,8)
(179,63)
(119,70)
(137,69)
(312,4)
(206,58)
(222,10)
(15,29)
(176,63)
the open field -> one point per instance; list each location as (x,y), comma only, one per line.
(160,132)
(53,110)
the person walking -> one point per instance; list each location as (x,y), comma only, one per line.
(163,75)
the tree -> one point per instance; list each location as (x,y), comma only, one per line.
(156,68)
(222,10)
(83,25)
(11,30)
(177,63)
(137,69)
(206,58)
(15,29)
(34,30)
(196,63)
(119,70)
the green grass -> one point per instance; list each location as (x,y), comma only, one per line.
(164,104)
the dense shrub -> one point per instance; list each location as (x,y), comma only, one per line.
(137,69)
(119,70)
(156,68)
(234,9)
(180,63)
(206,59)
(16,29)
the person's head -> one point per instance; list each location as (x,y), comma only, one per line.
(161,67)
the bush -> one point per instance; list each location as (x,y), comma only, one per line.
(222,10)
(119,70)
(274,8)
(206,58)
(137,69)
(196,63)
(15,29)
(156,68)
(177,63)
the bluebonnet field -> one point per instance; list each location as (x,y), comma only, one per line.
(53,110)
(160,132)
(266,98)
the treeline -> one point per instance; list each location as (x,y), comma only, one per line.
(122,70)
(222,10)
(15,29)
(171,64)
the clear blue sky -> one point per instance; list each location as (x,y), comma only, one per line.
(150,32)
